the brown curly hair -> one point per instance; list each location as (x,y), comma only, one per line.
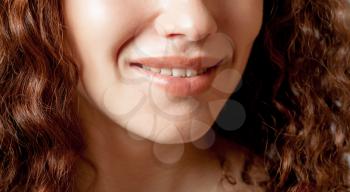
(300,86)
(39,136)
(311,93)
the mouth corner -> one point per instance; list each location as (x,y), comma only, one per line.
(134,64)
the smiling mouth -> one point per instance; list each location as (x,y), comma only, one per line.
(175,72)
(178,76)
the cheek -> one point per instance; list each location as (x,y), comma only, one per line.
(243,24)
(88,21)
(244,20)
(96,30)
(95,26)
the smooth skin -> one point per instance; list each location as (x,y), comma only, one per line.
(139,137)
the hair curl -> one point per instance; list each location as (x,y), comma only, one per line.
(39,136)
(302,95)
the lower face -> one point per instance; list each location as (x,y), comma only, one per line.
(161,69)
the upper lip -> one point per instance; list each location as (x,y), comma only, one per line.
(178,62)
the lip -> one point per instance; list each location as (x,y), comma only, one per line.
(179,86)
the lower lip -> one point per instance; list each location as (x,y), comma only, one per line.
(181,86)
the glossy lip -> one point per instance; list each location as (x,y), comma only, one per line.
(180,86)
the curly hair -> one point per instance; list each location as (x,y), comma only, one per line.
(301,95)
(39,136)
(311,93)
(300,86)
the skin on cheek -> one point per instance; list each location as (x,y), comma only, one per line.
(118,106)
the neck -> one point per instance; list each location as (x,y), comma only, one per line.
(124,162)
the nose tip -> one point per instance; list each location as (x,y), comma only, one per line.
(189,19)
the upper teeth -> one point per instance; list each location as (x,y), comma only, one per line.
(176,72)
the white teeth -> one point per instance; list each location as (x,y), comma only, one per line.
(165,71)
(179,72)
(176,72)
(155,70)
(191,73)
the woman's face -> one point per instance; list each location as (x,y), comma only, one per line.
(162,69)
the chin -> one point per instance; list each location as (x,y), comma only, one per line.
(171,132)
